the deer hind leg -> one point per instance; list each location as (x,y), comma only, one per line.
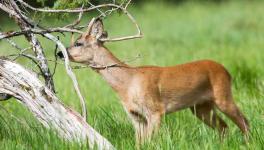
(145,126)
(224,102)
(207,114)
(229,108)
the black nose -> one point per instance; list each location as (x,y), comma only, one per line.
(60,54)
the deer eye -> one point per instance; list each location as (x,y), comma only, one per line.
(78,44)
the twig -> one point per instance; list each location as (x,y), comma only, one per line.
(108,12)
(56,58)
(32,58)
(76,22)
(68,10)
(96,66)
(38,31)
(129,1)
(69,72)
(11,42)
(124,10)
(138,35)
(21,53)
(101,12)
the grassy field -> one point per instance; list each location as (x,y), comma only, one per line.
(230,33)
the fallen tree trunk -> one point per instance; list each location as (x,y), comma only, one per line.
(22,84)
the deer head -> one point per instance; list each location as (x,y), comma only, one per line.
(88,44)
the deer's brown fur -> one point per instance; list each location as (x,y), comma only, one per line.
(149,92)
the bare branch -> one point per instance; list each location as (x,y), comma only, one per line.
(38,31)
(40,55)
(69,71)
(96,66)
(129,1)
(67,10)
(76,22)
(11,42)
(101,12)
(123,9)
(25,24)
(138,35)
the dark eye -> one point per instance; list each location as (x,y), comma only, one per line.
(78,44)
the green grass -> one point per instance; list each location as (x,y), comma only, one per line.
(230,33)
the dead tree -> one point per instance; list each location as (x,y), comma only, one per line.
(24,85)
(41,99)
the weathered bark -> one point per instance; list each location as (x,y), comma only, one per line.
(46,107)
(15,12)
(37,48)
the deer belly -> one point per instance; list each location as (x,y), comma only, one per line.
(180,100)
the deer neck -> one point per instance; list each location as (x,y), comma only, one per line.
(117,76)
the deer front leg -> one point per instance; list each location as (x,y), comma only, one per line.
(145,125)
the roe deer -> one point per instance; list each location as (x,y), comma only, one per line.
(149,92)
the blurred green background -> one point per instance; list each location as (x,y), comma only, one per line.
(230,32)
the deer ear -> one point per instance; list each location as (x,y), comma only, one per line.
(97,28)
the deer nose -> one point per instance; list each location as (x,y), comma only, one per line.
(60,55)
